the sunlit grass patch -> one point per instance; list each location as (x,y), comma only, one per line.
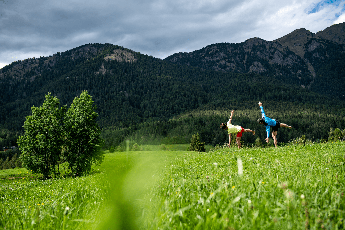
(60,203)
(8,172)
(292,187)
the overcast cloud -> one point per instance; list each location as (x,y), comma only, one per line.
(159,28)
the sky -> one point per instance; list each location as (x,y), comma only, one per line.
(160,28)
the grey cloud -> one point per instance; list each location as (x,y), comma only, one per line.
(159,27)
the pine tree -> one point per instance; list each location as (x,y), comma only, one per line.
(196,144)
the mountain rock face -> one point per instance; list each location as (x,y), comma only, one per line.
(300,57)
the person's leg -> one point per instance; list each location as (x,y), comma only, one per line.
(249,130)
(285,125)
(274,135)
(238,140)
(238,137)
(229,140)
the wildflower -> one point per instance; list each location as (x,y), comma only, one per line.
(302,196)
(288,193)
(263,182)
(283,185)
(249,201)
(233,187)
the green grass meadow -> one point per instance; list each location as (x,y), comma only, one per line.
(167,187)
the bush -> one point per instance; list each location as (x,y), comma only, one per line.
(135,147)
(336,135)
(258,142)
(301,141)
(111,149)
(196,144)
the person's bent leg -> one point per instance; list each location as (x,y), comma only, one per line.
(249,131)
(238,140)
(285,125)
(274,136)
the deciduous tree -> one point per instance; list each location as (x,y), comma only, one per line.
(42,140)
(83,139)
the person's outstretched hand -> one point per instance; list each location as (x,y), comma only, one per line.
(260,104)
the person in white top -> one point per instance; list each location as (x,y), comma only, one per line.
(235,129)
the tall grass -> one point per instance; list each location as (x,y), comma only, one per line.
(27,202)
(286,188)
(293,187)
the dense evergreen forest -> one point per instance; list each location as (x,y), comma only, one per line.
(318,64)
(152,100)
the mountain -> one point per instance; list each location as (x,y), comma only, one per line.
(313,61)
(138,94)
(128,87)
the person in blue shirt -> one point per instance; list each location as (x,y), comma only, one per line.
(268,122)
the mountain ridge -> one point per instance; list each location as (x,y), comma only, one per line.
(131,89)
(296,57)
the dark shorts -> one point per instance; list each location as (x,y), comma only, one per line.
(239,134)
(276,127)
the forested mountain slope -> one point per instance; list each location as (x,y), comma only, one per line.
(135,92)
(129,87)
(313,61)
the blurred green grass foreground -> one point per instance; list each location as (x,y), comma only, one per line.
(291,187)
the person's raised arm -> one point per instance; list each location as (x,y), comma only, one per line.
(232,113)
(262,110)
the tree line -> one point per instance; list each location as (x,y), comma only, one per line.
(313,123)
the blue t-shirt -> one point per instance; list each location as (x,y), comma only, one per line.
(269,122)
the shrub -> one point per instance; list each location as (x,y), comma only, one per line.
(336,134)
(258,142)
(196,144)
(135,147)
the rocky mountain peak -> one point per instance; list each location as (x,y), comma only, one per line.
(335,33)
(296,40)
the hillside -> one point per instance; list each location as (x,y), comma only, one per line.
(313,61)
(135,92)
(128,87)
